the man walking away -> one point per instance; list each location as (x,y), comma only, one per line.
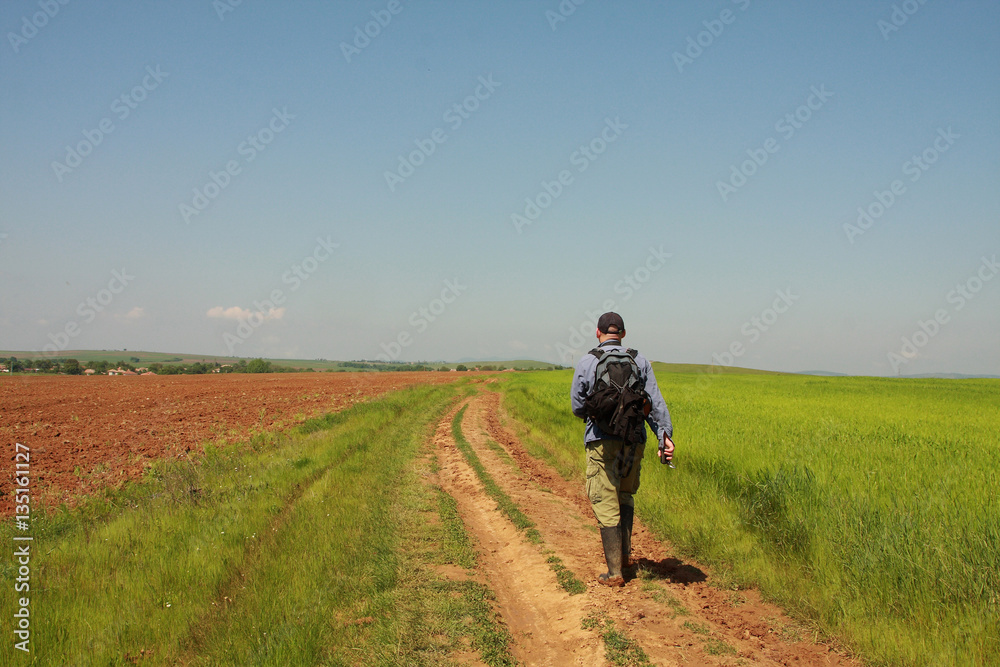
(615,391)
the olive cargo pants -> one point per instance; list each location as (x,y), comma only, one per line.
(606,490)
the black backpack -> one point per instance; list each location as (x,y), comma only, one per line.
(619,403)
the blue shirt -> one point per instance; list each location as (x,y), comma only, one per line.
(583,385)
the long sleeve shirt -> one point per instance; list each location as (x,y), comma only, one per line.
(583,385)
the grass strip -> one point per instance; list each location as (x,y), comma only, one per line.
(566,577)
(619,648)
(504,502)
(457,547)
(569,581)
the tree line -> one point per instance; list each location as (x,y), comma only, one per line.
(69,366)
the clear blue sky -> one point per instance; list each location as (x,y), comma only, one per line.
(115,113)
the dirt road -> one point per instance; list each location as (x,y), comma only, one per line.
(668,608)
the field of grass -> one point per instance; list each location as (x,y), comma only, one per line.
(865,506)
(308,547)
(868,506)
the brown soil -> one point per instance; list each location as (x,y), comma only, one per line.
(85,433)
(672,611)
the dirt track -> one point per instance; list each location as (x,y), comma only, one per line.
(672,611)
(85,433)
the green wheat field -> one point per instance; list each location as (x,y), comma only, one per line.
(867,505)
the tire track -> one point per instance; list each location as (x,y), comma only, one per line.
(544,620)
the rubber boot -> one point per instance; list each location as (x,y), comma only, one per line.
(627,516)
(612,539)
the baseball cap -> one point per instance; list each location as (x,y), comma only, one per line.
(611,321)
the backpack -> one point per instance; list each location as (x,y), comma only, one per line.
(619,402)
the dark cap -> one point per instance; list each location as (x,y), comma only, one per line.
(611,323)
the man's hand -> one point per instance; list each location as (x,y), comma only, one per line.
(666,448)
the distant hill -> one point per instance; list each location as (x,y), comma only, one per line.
(933,376)
(708,368)
(951,376)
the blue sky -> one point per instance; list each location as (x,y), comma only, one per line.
(479,180)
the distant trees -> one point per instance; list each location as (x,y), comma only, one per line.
(46,364)
(99,366)
(258,366)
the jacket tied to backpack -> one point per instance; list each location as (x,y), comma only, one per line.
(619,403)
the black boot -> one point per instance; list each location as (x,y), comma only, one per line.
(612,539)
(627,516)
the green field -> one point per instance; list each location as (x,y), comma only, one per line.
(868,507)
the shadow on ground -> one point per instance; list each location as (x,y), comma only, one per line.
(671,569)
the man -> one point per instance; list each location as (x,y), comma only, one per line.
(612,464)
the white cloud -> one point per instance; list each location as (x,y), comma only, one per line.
(136,313)
(237,313)
(234,313)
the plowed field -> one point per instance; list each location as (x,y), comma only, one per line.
(88,432)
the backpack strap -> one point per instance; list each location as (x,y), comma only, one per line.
(597,352)
(632,353)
